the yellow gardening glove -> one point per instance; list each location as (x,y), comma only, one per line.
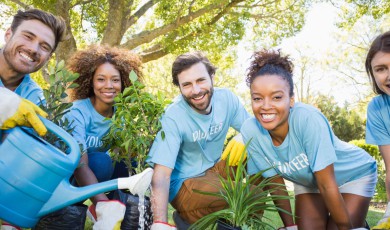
(26,114)
(235,149)
(384,223)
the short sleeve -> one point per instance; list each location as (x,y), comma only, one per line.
(376,131)
(166,144)
(317,138)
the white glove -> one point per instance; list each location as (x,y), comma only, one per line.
(16,111)
(162,226)
(292,227)
(137,184)
(109,214)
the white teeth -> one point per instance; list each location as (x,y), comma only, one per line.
(197,98)
(268,116)
(26,56)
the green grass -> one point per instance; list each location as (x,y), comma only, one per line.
(273,218)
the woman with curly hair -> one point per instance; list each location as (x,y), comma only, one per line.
(103,74)
(333,180)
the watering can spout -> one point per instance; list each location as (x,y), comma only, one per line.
(65,194)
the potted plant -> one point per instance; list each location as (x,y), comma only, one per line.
(134,126)
(246,197)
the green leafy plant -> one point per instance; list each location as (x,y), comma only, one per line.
(60,80)
(373,150)
(247,198)
(135,123)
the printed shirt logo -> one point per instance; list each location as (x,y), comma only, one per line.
(199,135)
(297,163)
(93,142)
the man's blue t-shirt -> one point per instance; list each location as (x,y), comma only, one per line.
(29,90)
(378,121)
(309,146)
(193,142)
(89,126)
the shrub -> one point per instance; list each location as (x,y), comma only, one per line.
(373,150)
(135,123)
(60,80)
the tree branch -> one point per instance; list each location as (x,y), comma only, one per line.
(148,36)
(141,11)
(158,50)
(147,57)
(22,4)
(81,3)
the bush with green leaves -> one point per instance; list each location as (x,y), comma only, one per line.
(247,198)
(135,123)
(373,150)
(60,81)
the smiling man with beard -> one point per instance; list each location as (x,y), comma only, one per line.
(187,155)
(29,43)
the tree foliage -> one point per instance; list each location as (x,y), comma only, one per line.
(353,10)
(156,28)
(346,124)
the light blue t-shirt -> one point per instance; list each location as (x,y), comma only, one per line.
(89,125)
(378,121)
(309,146)
(193,142)
(29,90)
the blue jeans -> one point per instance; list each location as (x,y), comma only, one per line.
(104,168)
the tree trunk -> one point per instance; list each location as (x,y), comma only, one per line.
(115,28)
(68,46)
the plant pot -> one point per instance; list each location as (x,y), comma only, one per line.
(131,218)
(222,225)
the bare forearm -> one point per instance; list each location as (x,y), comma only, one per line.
(160,193)
(284,204)
(336,206)
(84,177)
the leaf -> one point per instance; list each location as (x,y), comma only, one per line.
(73,85)
(60,65)
(133,76)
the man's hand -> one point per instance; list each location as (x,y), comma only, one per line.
(235,149)
(109,215)
(162,226)
(16,111)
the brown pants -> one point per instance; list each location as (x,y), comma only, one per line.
(191,205)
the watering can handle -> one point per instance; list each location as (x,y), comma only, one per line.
(74,153)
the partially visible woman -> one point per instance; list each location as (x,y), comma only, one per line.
(103,74)
(378,111)
(333,180)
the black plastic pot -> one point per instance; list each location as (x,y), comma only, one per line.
(222,225)
(131,218)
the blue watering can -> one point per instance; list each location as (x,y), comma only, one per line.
(34,177)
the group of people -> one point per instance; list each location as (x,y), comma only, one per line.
(333,181)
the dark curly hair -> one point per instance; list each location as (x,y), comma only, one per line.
(380,43)
(85,62)
(270,62)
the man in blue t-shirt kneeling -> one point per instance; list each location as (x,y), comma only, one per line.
(187,156)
